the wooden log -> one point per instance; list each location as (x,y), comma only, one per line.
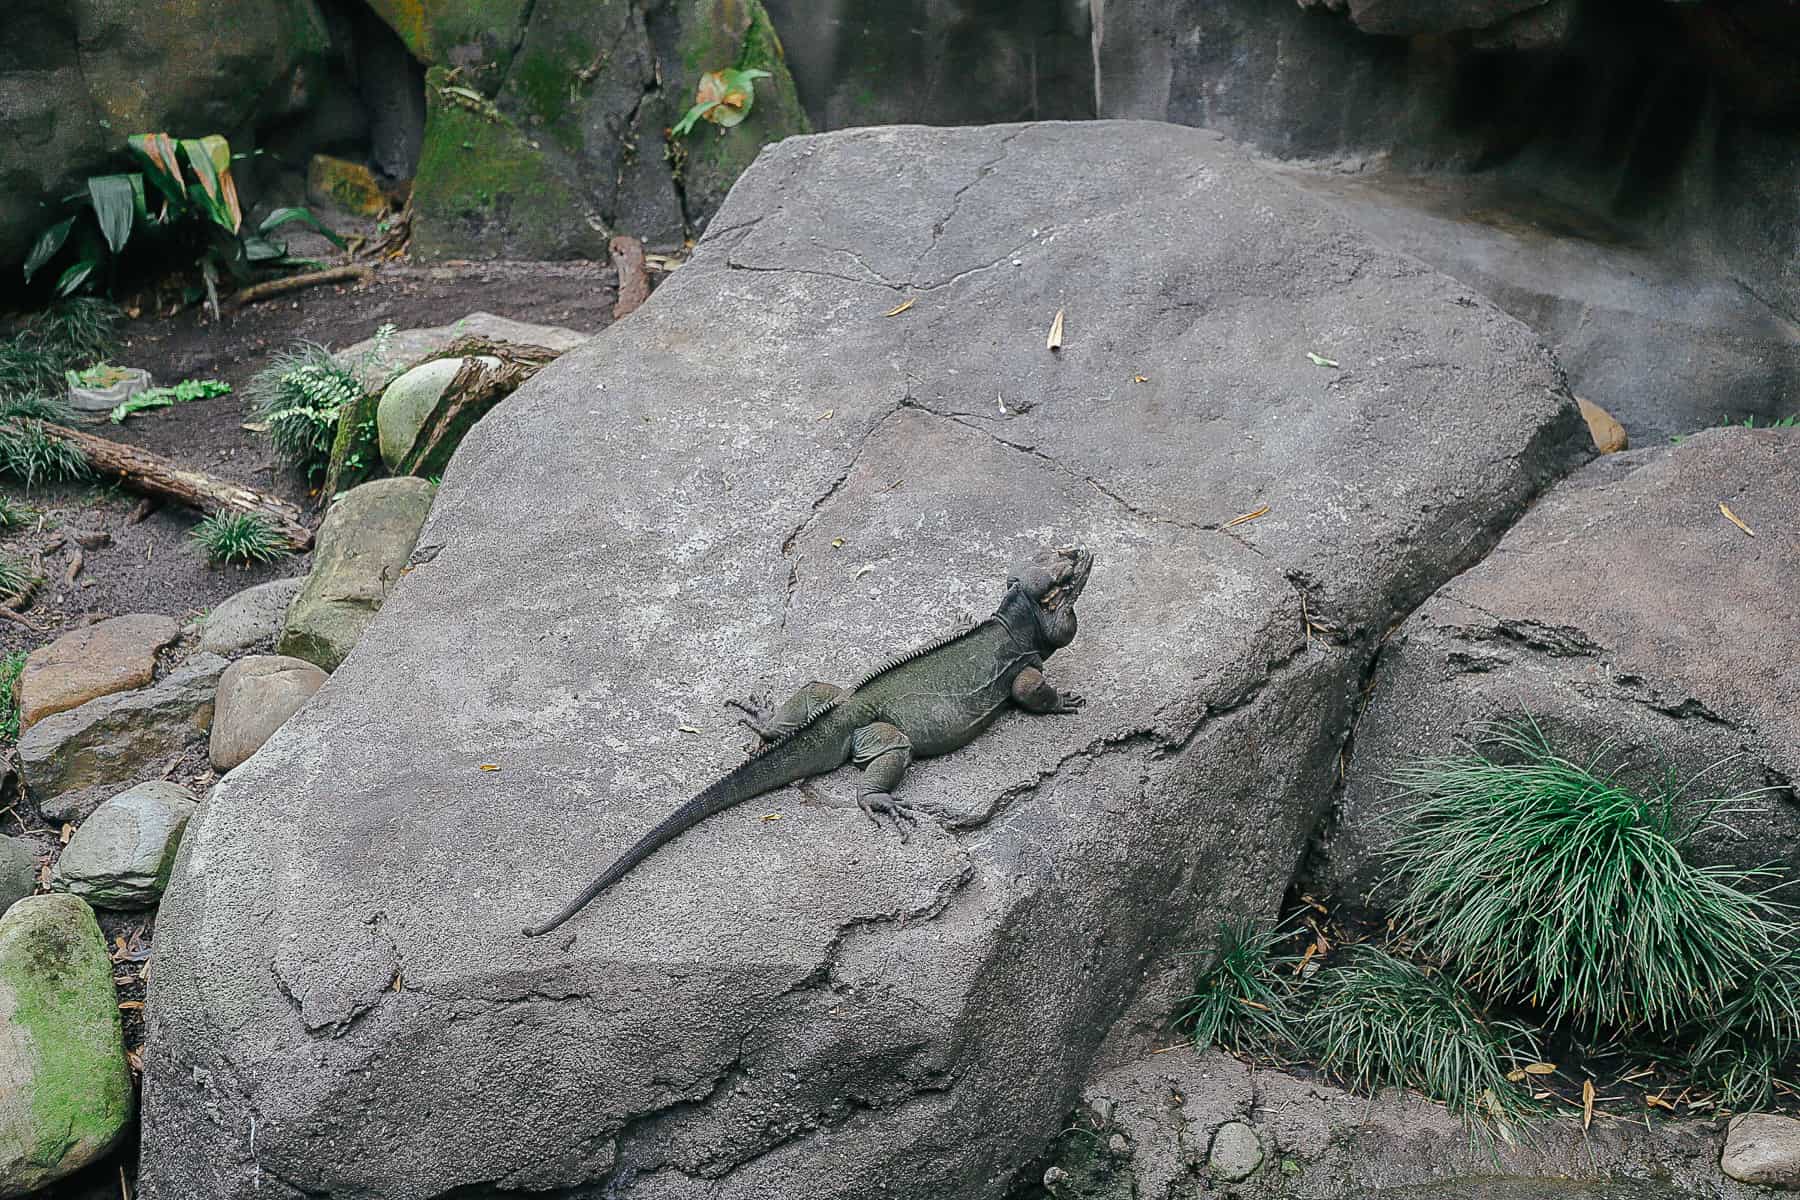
(475,389)
(291,283)
(634,279)
(153,475)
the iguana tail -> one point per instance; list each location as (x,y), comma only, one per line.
(753,778)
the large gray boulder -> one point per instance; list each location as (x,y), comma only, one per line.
(1625,610)
(808,1006)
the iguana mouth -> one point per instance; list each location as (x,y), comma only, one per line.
(1075,565)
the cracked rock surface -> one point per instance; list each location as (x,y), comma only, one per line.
(759,479)
(1625,608)
(1321,1142)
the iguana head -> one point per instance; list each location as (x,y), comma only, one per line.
(1052,580)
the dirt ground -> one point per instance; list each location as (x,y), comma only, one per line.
(150,566)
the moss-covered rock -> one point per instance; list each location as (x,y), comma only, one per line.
(575,140)
(484,189)
(477,36)
(67,1093)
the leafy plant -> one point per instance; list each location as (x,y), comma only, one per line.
(1543,878)
(11,666)
(28,451)
(238,537)
(100,375)
(163,397)
(13,514)
(184,199)
(723,97)
(303,392)
(1241,1000)
(299,396)
(1787,422)
(1380,1021)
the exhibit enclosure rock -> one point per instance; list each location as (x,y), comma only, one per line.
(1275,445)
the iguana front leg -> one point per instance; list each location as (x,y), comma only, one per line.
(883,752)
(773,726)
(1033,693)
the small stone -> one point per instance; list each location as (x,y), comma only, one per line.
(249,619)
(408,402)
(358,554)
(67,1097)
(71,761)
(1101,1109)
(256,697)
(122,855)
(1236,1152)
(1609,436)
(1054,1178)
(111,656)
(1763,1149)
(18,870)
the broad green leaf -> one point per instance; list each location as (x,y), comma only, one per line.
(283,216)
(210,159)
(115,205)
(75,276)
(261,249)
(45,248)
(692,115)
(164,169)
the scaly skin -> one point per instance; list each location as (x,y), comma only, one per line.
(932,701)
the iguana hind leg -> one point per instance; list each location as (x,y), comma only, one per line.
(773,726)
(883,752)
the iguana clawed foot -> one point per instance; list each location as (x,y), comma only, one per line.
(875,803)
(1068,702)
(758,717)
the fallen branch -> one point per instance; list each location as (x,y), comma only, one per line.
(634,281)
(292,283)
(153,475)
(475,389)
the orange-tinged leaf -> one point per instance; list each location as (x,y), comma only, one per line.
(1261,511)
(1540,1068)
(1054,341)
(130,1005)
(1733,518)
(1587,1103)
(490,766)
(898,308)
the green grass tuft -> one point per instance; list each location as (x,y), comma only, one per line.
(1379,1021)
(299,396)
(10,668)
(16,579)
(238,537)
(1740,1051)
(1543,879)
(33,455)
(1242,1000)
(13,515)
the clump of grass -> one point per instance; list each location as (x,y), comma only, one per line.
(238,537)
(1380,1021)
(1241,1000)
(1544,879)
(46,345)
(1741,1050)
(10,668)
(16,579)
(29,452)
(13,515)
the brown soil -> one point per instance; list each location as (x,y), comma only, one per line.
(149,566)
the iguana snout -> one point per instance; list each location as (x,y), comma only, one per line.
(1053,580)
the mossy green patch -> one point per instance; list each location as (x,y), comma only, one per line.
(484,188)
(59,1031)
